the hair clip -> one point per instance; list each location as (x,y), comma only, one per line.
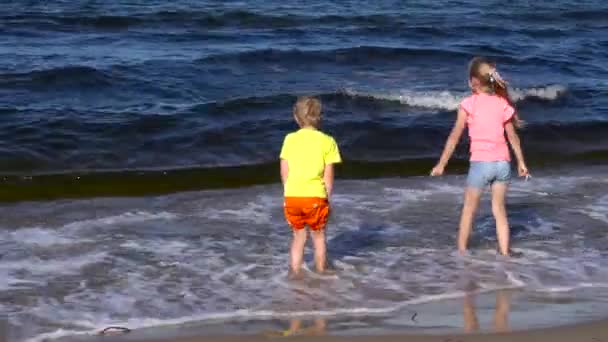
(495,76)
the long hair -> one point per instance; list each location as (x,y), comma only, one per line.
(485,82)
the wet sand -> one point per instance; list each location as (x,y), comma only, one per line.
(591,332)
(482,318)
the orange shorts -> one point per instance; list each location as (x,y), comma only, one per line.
(303,211)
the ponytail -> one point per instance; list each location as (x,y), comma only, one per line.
(503,91)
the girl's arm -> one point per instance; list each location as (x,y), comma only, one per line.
(328,178)
(451,143)
(516,145)
(284,170)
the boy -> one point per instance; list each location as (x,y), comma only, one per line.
(307,173)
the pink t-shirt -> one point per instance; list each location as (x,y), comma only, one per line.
(486,118)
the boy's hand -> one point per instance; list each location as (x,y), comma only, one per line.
(437,170)
(522,169)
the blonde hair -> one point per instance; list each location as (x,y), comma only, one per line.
(487,82)
(307,111)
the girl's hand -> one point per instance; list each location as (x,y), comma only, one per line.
(437,170)
(522,170)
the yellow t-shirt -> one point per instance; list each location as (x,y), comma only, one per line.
(307,151)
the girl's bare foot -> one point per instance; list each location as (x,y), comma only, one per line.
(510,253)
(327,272)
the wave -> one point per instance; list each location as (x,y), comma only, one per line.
(196,18)
(447,100)
(76,76)
(83,76)
(360,55)
(582,14)
(209,19)
(548,93)
(568,16)
(373,55)
(440,99)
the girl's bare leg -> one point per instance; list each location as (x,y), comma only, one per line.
(471,324)
(297,250)
(499,191)
(469,209)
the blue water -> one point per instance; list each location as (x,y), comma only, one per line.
(153,84)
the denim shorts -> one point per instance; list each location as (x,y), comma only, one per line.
(484,173)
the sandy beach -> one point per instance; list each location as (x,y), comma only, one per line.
(592,332)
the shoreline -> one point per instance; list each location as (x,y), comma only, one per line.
(130,183)
(473,318)
(464,320)
(595,331)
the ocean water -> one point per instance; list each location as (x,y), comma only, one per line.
(139,143)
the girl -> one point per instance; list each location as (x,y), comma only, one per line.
(488,113)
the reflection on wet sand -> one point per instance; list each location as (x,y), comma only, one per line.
(296,328)
(318,327)
(501,313)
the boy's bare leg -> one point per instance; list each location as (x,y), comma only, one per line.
(469,208)
(297,250)
(499,191)
(318,239)
(320,327)
(294,326)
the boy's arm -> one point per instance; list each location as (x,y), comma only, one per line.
(328,178)
(284,170)
(451,143)
(516,145)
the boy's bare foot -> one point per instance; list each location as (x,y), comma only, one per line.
(295,275)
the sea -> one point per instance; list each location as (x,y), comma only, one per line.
(139,177)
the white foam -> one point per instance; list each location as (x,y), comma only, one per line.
(251,212)
(551,92)
(448,100)
(57,334)
(39,236)
(557,289)
(125,218)
(431,99)
(38,266)
(541,227)
(598,210)
(194,280)
(409,194)
(48,236)
(515,280)
(161,247)
(562,289)
(132,244)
